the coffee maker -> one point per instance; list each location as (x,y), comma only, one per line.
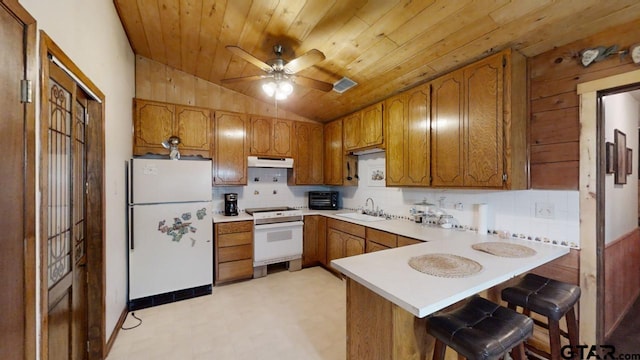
(231,204)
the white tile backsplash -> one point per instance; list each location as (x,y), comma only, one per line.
(510,212)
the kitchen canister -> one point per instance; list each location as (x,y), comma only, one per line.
(481,217)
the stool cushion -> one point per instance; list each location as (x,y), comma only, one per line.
(544,296)
(480,329)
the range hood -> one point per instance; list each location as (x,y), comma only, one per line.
(269,162)
(367,151)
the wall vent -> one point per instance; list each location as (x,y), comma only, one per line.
(343,85)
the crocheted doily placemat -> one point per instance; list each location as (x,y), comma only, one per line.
(505,249)
(445,265)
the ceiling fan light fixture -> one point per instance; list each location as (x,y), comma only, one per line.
(281,89)
(269,88)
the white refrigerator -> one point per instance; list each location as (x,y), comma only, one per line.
(170,231)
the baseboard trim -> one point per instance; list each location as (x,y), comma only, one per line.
(116,330)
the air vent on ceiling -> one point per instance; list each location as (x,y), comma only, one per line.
(343,85)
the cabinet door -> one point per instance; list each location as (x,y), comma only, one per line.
(483,123)
(335,244)
(282,138)
(230,167)
(405,241)
(407,138)
(333,155)
(310,241)
(396,147)
(153,124)
(418,149)
(193,127)
(373,247)
(316,155)
(261,136)
(446,130)
(371,126)
(352,127)
(353,246)
(308,149)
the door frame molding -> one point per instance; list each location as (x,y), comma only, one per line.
(592,204)
(29,196)
(95,250)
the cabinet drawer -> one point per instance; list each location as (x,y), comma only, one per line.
(382,237)
(404,241)
(234,270)
(234,227)
(245,238)
(371,247)
(232,253)
(349,228)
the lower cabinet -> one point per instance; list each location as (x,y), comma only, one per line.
(380,240)
(314,243)
(233,251)
(404,241)
(344,239)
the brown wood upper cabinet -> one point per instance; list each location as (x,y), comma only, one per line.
(271,137)
(154,122)
(363,129)
(230,150)
(333,153)
(478,125)
(407,137)
(308,147)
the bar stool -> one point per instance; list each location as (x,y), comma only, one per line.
(552,299)
(480,330)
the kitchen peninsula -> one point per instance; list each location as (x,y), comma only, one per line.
(388,300)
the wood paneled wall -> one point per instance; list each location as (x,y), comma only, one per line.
(555,122)
(159,82)
(622,278)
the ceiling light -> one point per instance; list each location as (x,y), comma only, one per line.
(279,88)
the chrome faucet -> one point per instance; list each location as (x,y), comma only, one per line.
(373,207)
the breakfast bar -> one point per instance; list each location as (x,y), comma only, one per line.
(388,299)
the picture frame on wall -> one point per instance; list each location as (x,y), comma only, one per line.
(610,164)
(629,161)
(620,141)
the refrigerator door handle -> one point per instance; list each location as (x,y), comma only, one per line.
(131,224)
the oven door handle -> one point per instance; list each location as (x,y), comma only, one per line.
(279,225)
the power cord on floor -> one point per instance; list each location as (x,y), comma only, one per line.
(134,326)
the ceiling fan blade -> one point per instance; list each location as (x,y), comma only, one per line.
(302,62)
(244,78)
(249,58)
(312,83)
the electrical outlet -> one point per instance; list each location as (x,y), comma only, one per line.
(458,206)
(545,211)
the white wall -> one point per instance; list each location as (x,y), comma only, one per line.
(621,201)
(91,34)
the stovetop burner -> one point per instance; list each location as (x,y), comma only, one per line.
(252,211)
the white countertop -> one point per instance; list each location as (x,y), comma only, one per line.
(388,274)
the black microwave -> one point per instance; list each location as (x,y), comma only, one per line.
(323,200)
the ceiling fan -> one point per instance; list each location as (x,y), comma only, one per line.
(281,72)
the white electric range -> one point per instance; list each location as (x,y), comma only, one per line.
(277,237)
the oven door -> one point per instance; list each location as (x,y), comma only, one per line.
(274,243)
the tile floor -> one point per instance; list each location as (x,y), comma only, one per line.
(285,315)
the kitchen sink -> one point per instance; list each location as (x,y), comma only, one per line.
(361,217)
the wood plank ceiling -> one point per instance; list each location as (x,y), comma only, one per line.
(384,45)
